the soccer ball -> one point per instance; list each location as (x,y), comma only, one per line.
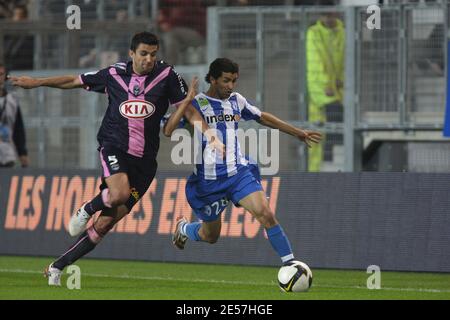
(295,276)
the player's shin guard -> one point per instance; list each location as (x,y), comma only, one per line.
(84,244)
(191,230)
(280,243)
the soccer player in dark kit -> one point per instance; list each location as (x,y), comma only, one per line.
(139,94)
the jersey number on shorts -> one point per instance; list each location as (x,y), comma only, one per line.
(216,207)
(113,162)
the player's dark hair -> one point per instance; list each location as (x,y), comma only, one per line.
(143,37)
(221,65)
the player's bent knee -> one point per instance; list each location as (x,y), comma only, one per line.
(212,239)
(267,218)
(119,198)
(103,226)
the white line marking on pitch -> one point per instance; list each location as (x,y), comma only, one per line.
(125,276)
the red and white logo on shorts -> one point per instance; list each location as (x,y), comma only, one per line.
(136,109)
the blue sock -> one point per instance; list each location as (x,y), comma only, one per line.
(191,230)
(280,243)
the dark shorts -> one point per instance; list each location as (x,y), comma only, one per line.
(140,171)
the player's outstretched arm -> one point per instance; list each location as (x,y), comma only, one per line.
(175,118)
(61,82)
(307,136)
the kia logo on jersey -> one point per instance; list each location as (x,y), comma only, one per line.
(136,109)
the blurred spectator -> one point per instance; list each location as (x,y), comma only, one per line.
(20,13)
(237,3)
(304,2)
(256,2)
(119,44)
(435,60)
(7,7)
(116,47)
(182,24)
(325,46)
(122,15)
(12,132)
(19,49)
(4,10)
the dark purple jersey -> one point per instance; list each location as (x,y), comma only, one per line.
(136,105)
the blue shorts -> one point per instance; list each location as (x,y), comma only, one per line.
(208,198)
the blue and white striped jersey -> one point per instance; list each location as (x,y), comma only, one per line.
(223,116)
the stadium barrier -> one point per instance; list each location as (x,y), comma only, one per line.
(395,76)
(398,221)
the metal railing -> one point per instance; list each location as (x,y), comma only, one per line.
(394,77)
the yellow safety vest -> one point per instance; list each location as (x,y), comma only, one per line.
(325,50)
(324,62)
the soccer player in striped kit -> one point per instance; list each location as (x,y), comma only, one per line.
(139,93)
(215,182)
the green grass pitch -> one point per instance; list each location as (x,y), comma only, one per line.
(22,278)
